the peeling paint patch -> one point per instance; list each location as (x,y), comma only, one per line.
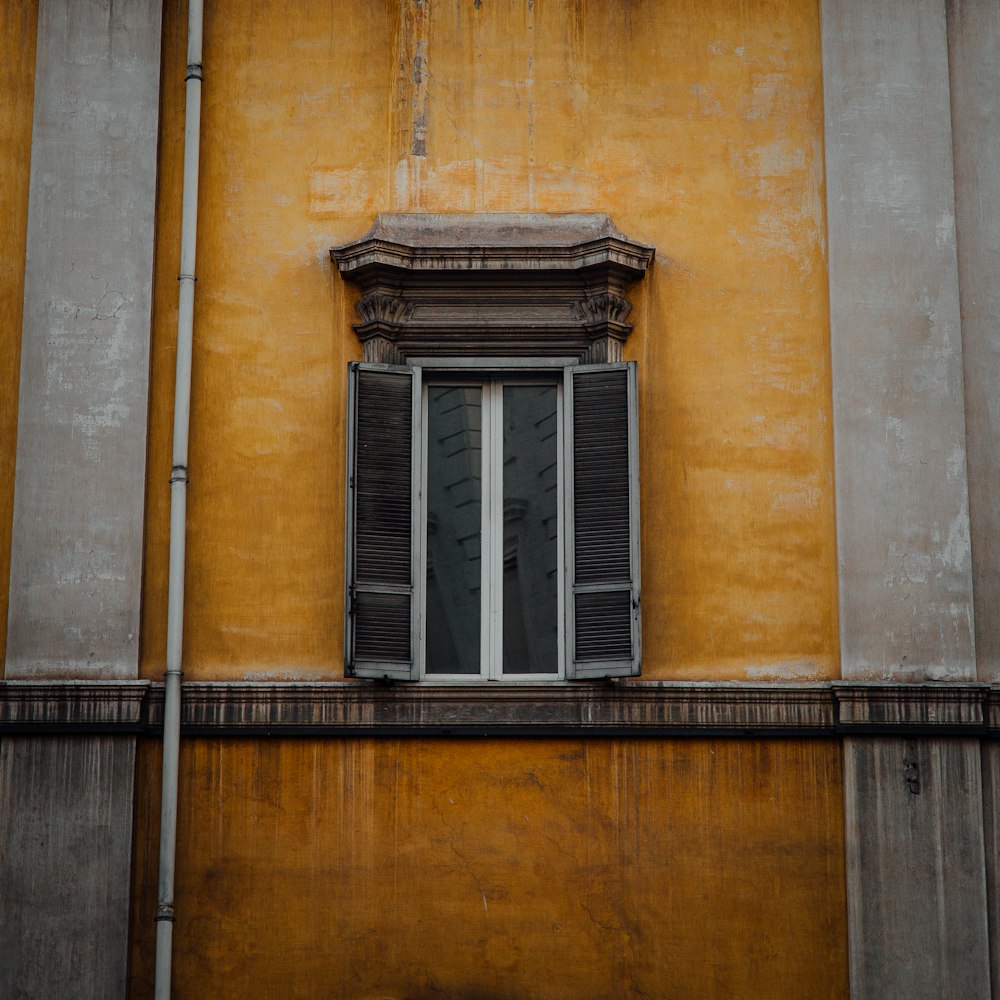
(957,552)
(109,305)
(797,670)
(798,502)
(944,230)
(955,464)
(340,190)
(420,113)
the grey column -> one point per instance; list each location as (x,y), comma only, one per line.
(916,860)
(66,850)
(916,865)
(974,40)
(76,550)
(991,829)
(899,424)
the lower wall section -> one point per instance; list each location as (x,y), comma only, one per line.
(916,869)
(991,830)
(65,866)
(499,869)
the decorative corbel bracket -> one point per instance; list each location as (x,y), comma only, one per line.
(383,314)
(491,285)
(603,316)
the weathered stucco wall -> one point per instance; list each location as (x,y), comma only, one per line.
(412,868)
(18,22)
(423,868)
(697,126)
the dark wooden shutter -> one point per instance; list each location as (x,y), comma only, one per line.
(383,464)
(602,521)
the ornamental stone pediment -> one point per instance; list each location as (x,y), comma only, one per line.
(493,285)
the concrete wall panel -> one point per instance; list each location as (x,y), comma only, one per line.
(902,508)
(991,827)
(916,869)
(76,550)
(65,866)
(974,40)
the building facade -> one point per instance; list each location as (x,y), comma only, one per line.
(792,789)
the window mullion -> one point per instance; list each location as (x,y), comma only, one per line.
(561,532)
(485,433)
(421,573)
(486,538)
(493,534)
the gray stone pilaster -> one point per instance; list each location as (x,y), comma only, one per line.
(916,860)
(65,866)
(991,837)
(916,869)
(899,427)
(974,43)
(76,550)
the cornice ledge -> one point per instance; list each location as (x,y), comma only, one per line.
(524,241)
(644,708)
(74,705)
(493,285)
(877,706)
(993,709)
(577,708)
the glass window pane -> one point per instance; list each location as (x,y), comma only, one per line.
(530,530)
(454,526)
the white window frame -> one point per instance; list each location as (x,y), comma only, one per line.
(492,376)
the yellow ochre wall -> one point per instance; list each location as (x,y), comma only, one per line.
(18,23)
(507,870)
(696,125)
(366,869)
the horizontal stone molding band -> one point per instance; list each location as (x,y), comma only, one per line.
(634,708)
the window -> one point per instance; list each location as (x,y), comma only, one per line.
(492,552)
(492,523)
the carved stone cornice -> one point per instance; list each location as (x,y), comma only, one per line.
(76,706)
(876,706)
(487,285)
(580,709)
(488,241)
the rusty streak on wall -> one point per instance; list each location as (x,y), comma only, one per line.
(563,869)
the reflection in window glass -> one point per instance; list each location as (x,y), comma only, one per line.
(454,522)
(530,530)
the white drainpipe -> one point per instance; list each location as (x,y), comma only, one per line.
(178,508)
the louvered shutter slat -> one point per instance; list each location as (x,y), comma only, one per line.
(603,630)
(381,524)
